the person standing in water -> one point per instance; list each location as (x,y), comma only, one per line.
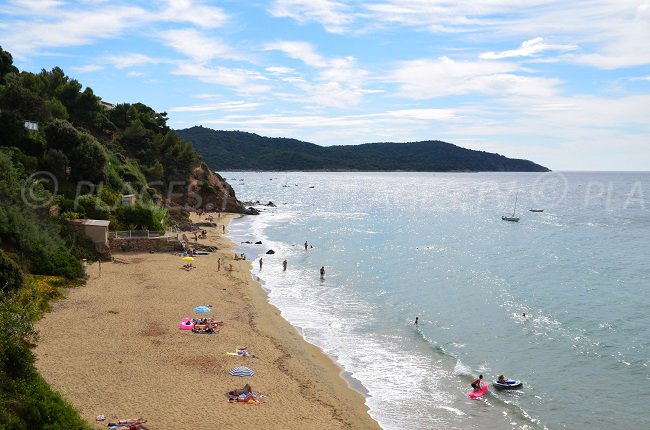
(305,245)
(284,266)
(322,272)
(417,319)
(260,264)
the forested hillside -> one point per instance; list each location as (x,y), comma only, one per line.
(236,150)
(65,155)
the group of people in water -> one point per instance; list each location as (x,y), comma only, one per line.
(285,263)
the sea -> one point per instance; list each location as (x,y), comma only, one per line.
(558,300)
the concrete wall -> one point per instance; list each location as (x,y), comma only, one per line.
(96,233)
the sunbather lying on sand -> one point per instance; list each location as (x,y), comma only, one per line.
(245,395)
(247,389)
(128,424)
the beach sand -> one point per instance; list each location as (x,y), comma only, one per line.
(113,347)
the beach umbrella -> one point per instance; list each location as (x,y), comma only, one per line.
(188,258)
(241,371)
(202,309)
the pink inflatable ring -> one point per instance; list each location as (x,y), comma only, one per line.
(186,325)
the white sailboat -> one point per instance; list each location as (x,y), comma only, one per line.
(512,218)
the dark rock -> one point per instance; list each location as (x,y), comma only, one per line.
(259,242)
(270,204)
(252,211)
(270,251)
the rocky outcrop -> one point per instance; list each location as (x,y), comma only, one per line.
(207,190)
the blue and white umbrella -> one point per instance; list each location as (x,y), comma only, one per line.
(241,371)
(202,309)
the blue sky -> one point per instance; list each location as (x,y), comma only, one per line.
(563,83)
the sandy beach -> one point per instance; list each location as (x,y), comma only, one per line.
(114,347)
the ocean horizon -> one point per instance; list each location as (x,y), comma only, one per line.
(556,300)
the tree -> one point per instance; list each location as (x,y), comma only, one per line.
(57,163)
(60,134)
(12,130)
(124,114)
(11,277)
(178,157)
(87,161)
(56,109)
(22,100)
(6,65)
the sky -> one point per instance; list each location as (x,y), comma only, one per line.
(563,83)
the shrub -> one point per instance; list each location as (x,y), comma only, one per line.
(11,277)
(58,262)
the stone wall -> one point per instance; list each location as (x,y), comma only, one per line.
(162,244)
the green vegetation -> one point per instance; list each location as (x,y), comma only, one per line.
(26,401)
(236,150)
(75,159)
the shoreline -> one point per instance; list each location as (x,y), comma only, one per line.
(113,347)
(352,382)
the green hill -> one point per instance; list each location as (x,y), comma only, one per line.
(66,155)
(237,150)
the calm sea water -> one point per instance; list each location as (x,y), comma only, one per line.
(400,245)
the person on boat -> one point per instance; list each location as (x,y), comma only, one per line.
(476,385)
(501,379)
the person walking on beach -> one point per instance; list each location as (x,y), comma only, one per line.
(223,228)
(219,265)
(284,266)
(322,272)
(260,264)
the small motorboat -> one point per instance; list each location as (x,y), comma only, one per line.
(508,384)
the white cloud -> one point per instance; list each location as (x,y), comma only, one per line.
(131,60)
(191,43)
(423,114)
(34,6)
(244,82)
(70,29)
(62,24)
(88,68)
(225,106)
(334,16)
(424,79)
(302,51)
(528,48)
(280,70)
(616,32)
(194,13)
(337,82)
(344,121)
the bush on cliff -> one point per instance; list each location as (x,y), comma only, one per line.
(11,277)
